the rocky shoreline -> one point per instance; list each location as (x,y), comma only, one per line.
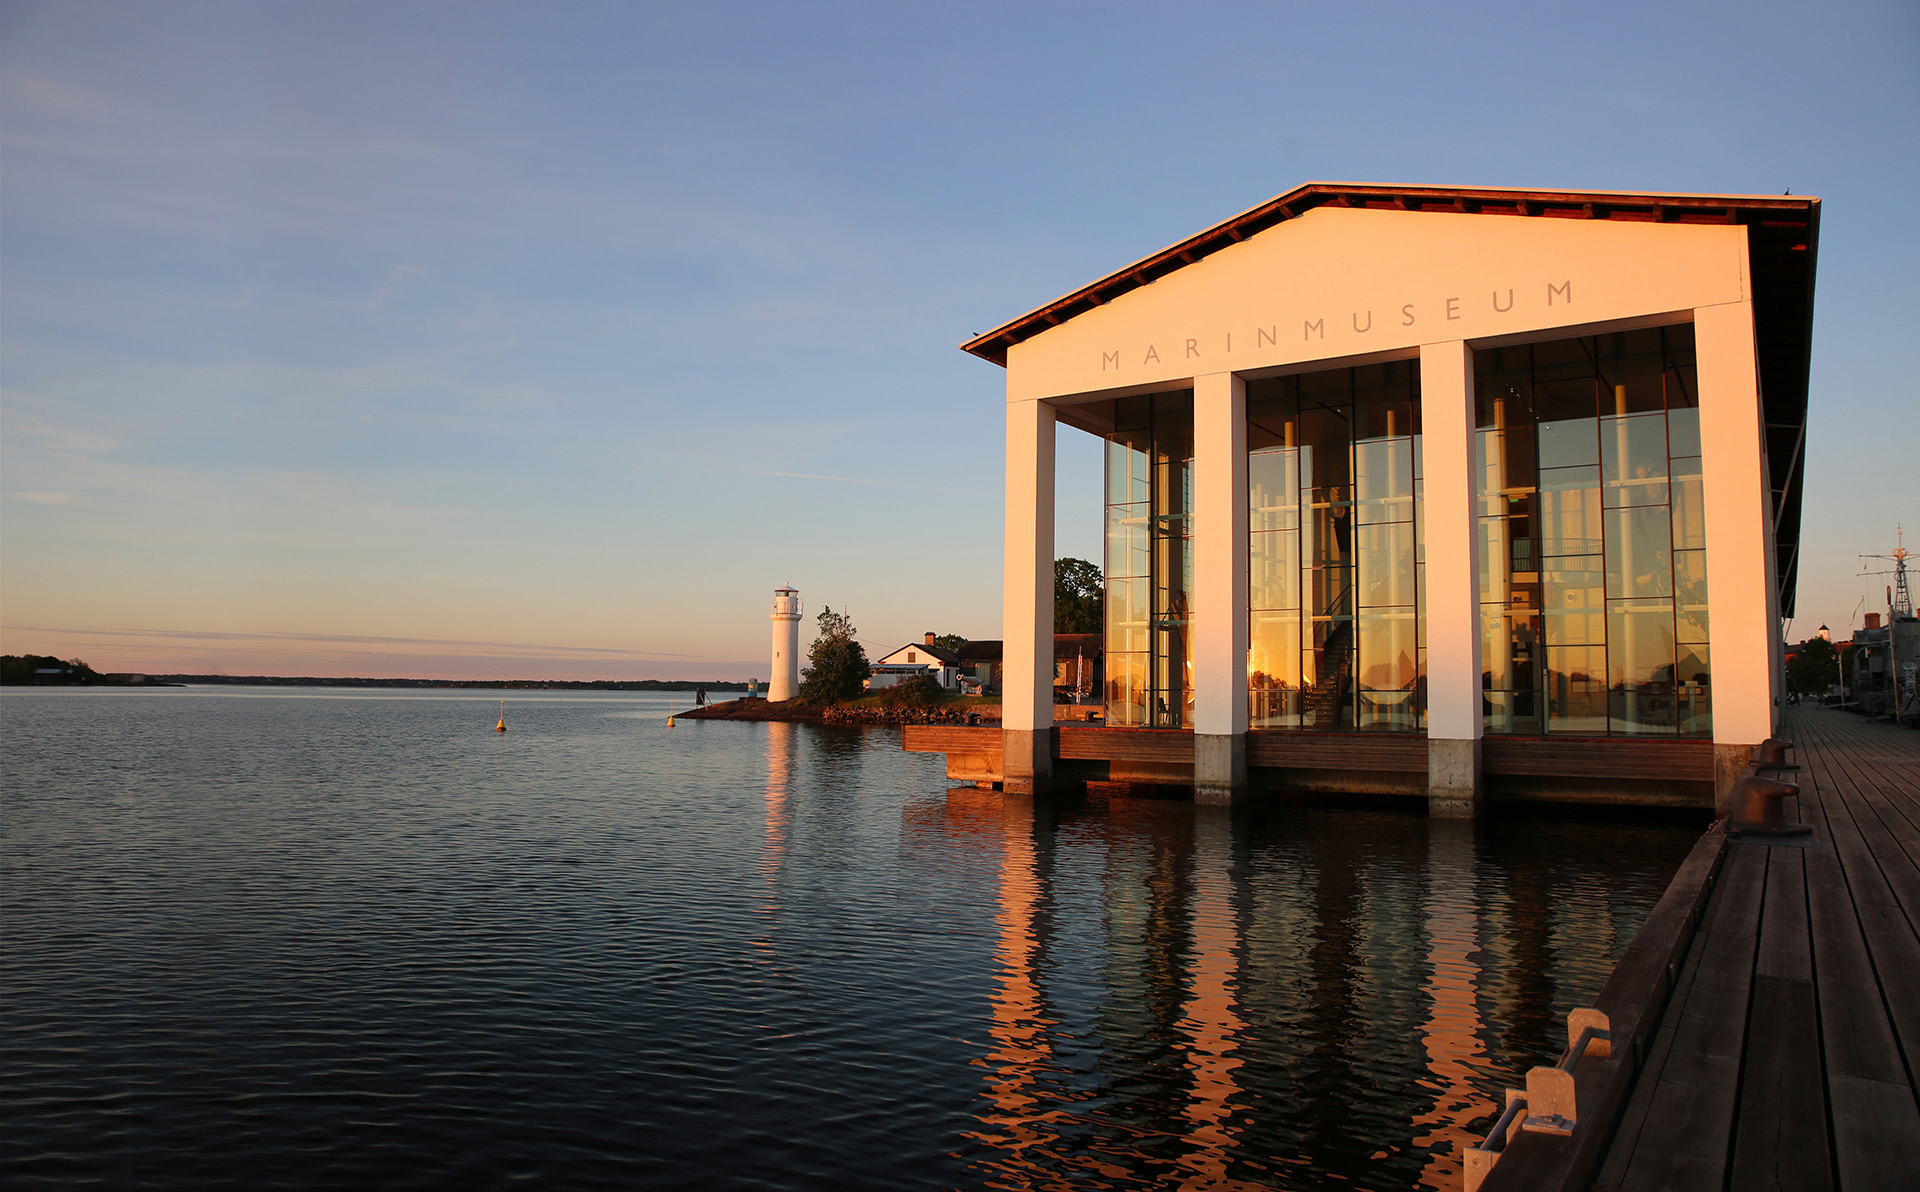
(855,713)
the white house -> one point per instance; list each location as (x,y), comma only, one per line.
(917,658)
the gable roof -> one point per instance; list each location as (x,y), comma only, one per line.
(1783,233)
(938,654)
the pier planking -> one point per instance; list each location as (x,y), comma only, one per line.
(1787,1052)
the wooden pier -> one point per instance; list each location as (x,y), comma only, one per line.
(1766,1025)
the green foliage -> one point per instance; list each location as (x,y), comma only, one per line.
(951,641)
(918,691)
(1079,597)
(838,666)
(1814,669)
(19,669)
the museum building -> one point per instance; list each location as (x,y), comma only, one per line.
(1424,490)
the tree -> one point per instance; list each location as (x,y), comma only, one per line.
(1813,669)
(951,641)
(26,668)
(1079,597)
(838,667)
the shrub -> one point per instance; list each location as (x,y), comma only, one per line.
(838,667)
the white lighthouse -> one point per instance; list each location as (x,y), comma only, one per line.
(785,683)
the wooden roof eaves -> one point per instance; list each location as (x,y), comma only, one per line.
(1611,205)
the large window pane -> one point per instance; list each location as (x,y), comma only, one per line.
(1569,511)
(1694,693)
(1496,648)
(1127,467)
(1128,613)
(1273,481)
(1573,605)
(1384,560)
(1327,673)
(1683,432)
(1273,666)
(1690,595)
(1576,689)
(1639,643)
(1273,570)
(1127,540)
(1630,367)
(1383,480)
(1639,553)
(1640,666)
(1511,712)
(1574,443)
(1387,650)
(1562,408)
(1633,460)
(1126,689)
(1325,457)
(1689,507)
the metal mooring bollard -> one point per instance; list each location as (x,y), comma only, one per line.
(1753,808)
(1771,754)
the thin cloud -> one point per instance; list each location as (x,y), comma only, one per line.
(339,639)
(920,488)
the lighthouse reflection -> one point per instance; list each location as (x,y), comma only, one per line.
(1184,996)
(782,754)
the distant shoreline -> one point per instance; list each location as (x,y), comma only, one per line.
(463,684)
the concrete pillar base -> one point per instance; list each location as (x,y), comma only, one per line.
(1026,759)
(1728,761)
(1219,768)
(1454,778)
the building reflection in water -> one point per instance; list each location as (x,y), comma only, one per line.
(782,759)
(1018,1119)
(1213,1024)
(1186,997)
(1453,1027)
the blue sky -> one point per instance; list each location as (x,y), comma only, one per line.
(546,340)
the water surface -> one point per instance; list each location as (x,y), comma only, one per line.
(271,938)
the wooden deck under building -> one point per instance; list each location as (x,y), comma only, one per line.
(1562,769)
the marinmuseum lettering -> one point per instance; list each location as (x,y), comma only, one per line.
(1449,309)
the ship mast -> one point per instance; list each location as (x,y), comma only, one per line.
(1899,596)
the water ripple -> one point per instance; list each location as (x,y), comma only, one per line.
(272,940)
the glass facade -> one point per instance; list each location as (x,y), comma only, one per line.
(1335,567)
(1149,562)
(1593,574)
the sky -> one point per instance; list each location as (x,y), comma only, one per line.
(546,340)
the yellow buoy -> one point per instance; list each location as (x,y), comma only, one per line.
(502,726)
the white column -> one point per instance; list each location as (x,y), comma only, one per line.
(1027,615)
(1454,724)
(1742,616)
(1219,601)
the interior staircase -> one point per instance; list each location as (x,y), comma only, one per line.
(1328,697)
